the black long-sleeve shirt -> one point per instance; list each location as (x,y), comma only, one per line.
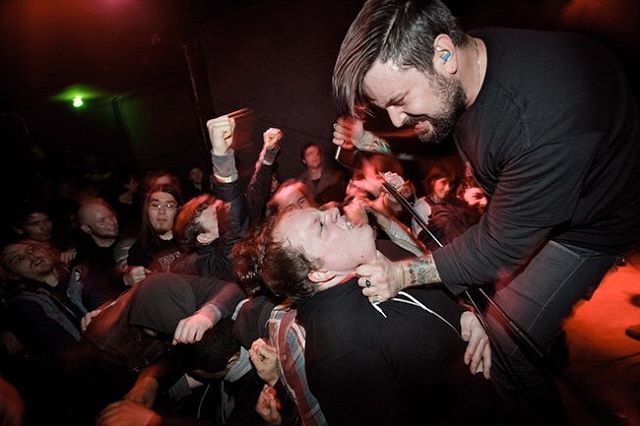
(43,318)
(554,139)
(215,259)
(407,368)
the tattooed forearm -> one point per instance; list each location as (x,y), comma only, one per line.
(421,271)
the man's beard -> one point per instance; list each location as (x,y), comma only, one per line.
(162,229)
(455,104)
(111,233)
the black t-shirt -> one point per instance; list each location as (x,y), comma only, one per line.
(159,258)
(405,368)
(554,139)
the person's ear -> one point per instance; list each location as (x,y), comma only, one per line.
(85,229)
(320,276)
(444,53)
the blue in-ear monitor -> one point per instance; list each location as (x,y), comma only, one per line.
(445,56)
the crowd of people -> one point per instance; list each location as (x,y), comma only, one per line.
(339,297)
(138,323)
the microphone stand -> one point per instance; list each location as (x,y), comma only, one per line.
(529,348)
(520,336)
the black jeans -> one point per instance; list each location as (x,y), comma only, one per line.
(538,299)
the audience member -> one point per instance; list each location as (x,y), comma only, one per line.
(143,324)
(127,203)
(352,345)
(165,309)
(101,252)
(326,184)
(286,343)
(471,193)
(197,226)
(155,249)
(44,302)
(184,306)
(290,194)
(196,183)
(368,201)
(261,187)
(45,313)
(95,176)
(217,365)
(449,217)
(32,222)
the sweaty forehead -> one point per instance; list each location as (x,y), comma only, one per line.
(384,82)
(295,222)
(377,80)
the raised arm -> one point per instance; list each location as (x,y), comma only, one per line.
(222,156)
(227,189)
(258,190)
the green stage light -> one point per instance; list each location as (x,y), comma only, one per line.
(78,94)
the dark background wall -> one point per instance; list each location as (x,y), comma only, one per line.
(159,69)
(277,57)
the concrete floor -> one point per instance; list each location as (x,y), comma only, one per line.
(604,365)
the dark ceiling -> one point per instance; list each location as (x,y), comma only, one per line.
(114,45)
(119,44)
(119,47)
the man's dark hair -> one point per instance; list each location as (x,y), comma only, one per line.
(282,268)
(272,206)
(213,351)
(306,146)
(398,31)
(437,172)
(186,227)
(147,237)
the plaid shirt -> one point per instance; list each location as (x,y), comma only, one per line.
(288,337)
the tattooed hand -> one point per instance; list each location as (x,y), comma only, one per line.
(383,279)
(380,280)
